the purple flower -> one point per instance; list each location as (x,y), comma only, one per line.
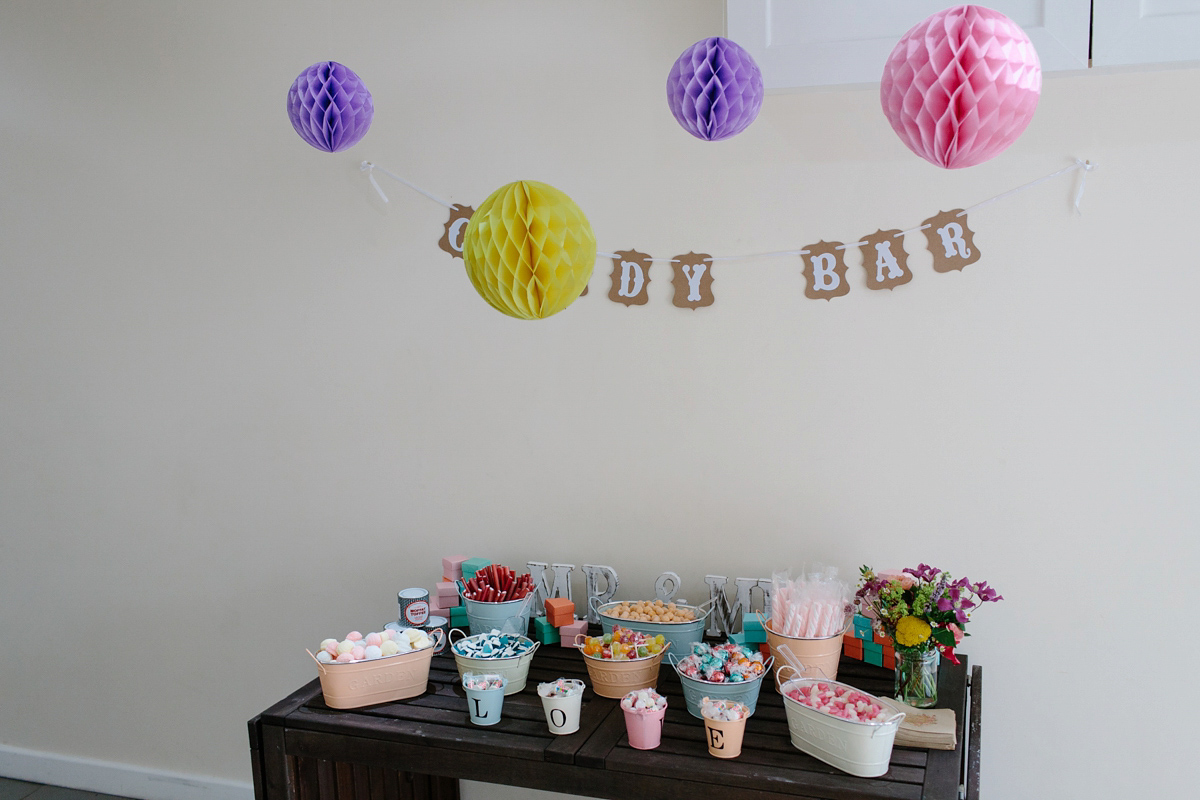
(924,572)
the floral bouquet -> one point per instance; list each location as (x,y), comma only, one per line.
(924,611)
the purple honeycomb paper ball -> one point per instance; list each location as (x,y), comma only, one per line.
(330,107)
(715,89)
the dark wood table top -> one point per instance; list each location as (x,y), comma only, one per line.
(431,734)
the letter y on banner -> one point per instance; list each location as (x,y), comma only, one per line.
(693,280)
(951,242)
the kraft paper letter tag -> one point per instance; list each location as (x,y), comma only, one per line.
(693,280)
(630,278)
(885,260)
(456,227)
(824,271)
(951,241)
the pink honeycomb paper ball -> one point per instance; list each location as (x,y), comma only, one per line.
(961,86)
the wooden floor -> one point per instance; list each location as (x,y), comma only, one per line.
(20,790)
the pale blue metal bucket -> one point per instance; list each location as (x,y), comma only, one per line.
(681,635)
(694,691)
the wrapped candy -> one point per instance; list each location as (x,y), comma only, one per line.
(840,701)
(816,605)
(623,644)
(493,645)
(722,663)
(486,681)
(723,710)
(643,700)
(563,687)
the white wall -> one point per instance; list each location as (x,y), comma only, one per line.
(243,402)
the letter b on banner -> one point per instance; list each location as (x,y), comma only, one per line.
(825,271)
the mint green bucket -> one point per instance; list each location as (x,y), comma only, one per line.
(511,616)
(694,691)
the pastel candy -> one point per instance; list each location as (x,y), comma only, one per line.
(324,657)
(354,636)
(389,648)
(374,640)
(373,652)
(345,647)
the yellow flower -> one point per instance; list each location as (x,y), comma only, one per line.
(911,631)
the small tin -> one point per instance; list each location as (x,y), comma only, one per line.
(442,624)
(414,607)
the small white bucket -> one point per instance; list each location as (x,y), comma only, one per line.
(562,713)
(859,748)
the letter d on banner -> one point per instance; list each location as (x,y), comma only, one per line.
(630,278)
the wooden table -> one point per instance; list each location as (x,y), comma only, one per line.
(419,748)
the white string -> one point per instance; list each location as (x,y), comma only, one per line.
(370,168)
(1077,165)
(1086,166)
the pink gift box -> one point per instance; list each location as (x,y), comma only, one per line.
(569,632)
(443,603)
(447,590)
(452,566)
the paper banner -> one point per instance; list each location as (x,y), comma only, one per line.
(885,260)
(630,278)
(456,228)
(825,271)
(951,242)
(693,280)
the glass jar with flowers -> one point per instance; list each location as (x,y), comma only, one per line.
(924,611)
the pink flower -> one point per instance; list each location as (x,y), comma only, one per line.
(905,580)
(958,634)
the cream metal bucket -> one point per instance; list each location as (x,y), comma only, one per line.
(515,669)
(859,748)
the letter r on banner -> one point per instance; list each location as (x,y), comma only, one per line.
(950,240)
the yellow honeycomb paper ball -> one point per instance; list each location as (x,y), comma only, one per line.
(529,250)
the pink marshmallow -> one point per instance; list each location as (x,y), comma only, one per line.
(354,636)
(374,639)
(345,658)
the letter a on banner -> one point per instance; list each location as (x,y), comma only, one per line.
(884,260)
(630,278)
(824,271)
(693,280)
(951,242)
(456,228)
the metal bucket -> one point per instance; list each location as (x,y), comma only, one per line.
(381,680)
(695,690)
(859,748)
(511,616)
(515,669)
(812,658)
(681,635)
(617,678)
